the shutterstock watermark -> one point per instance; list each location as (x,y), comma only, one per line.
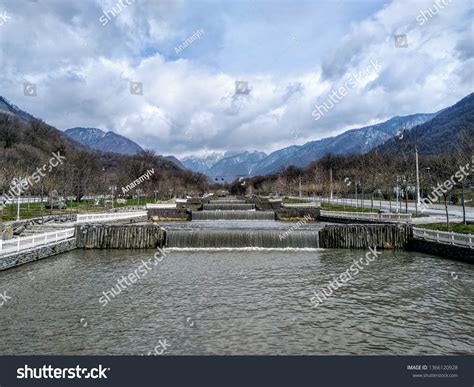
(19,186)
(335,96)
(126,281)
(197,35)
(4,298)
(427,14)
(445,187)
(50,372)
(4,18)
(160,349)
(120,5)
(327,291)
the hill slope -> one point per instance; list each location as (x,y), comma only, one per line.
(8,108)
(232,167)
(359,140)
(449,130)
(106,142)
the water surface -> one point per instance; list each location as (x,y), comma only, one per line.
(238,302)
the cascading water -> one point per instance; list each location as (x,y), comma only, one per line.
(233,215)
(231,209)
(228,201)
(228,206)
(234,238)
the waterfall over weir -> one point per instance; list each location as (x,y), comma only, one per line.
(233,215)
(233,238)
(227,201)
(228,206)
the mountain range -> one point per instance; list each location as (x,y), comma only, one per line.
(431,133)
(13,110)
(107,146)
(451,129)
(360,140)
(104,141)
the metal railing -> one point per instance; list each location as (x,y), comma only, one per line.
(86,218)
(32,241)
(380,217)
(160,205)
(128,209)
(452,238)
(306,204)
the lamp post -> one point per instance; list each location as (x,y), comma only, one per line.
(18,185)
(398,179)
(113,188)
(355,186)
(139,191)
(418,199)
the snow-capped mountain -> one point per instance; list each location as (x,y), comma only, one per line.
(451,130)
(359,140)
(232,167)
(104,141)
(227,166)
(202,164)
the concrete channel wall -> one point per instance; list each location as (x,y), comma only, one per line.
(127,236)
(459,253)
(17,259)
(363,236)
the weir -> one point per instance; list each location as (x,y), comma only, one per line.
(228,201)
(232,215)
(228,207)
(236,238)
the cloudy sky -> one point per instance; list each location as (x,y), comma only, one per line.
(293,54)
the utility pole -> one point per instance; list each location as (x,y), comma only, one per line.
(397,192)
(330,184)
(418,199)
(299,186)
(18,184)
(112,188)
(355,186)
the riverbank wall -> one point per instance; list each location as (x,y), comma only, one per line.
(363,236)
(129,236)
(27,256)
(458,253)
(168,214)
(297,213)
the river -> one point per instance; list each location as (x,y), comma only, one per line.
(236,302)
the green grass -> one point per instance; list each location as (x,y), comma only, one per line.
(339,207)
(36,210)
(135,202)
(293,200)
(456,227)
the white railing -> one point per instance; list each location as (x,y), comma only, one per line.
(29,242)
(128,209)
(306,204)
(86,218)
(452,238)
(160,205)
(26,200)
(395,217)
(381,217)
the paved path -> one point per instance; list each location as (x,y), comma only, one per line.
(436,210)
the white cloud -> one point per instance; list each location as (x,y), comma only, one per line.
(83,69)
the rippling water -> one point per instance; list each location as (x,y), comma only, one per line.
(238,302)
